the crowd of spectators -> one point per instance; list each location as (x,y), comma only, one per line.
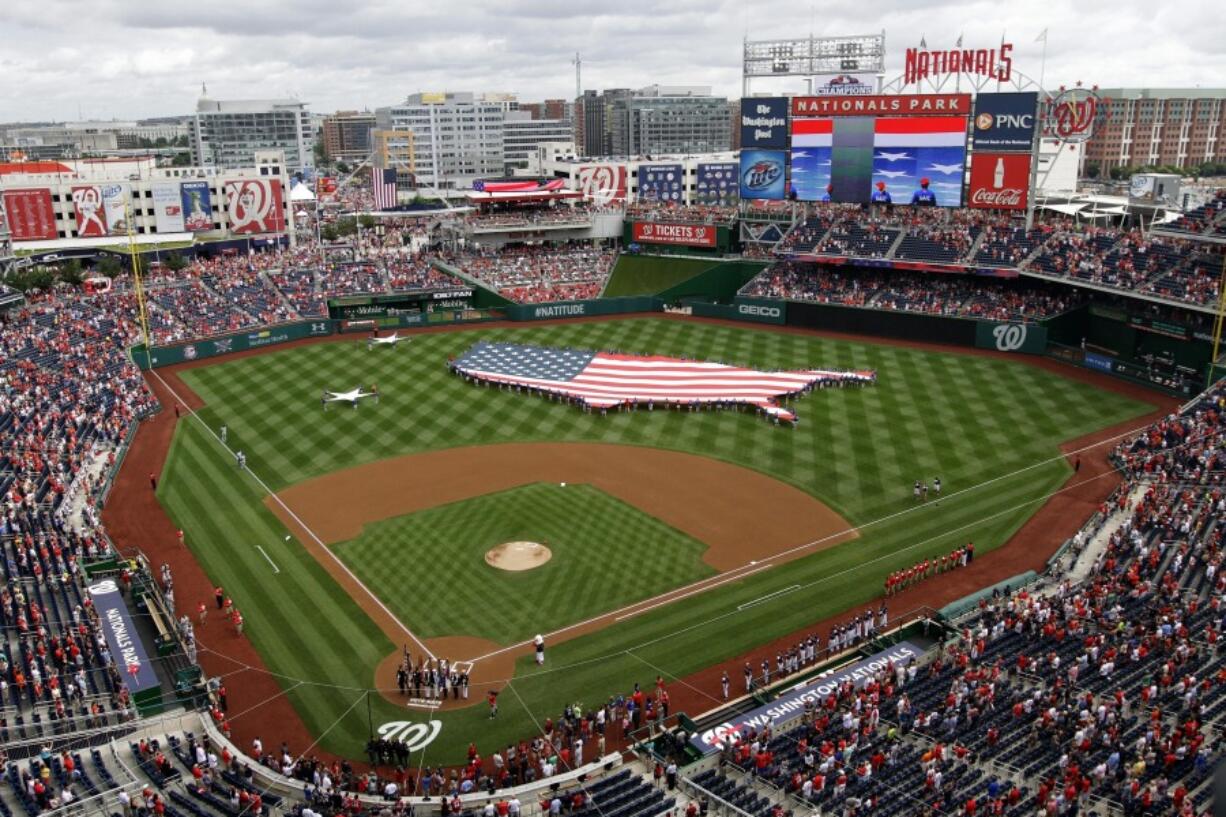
(962,295)
(684,213)
(69,398)
(496,219)
(539,273)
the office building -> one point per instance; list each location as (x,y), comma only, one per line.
(229,133)
(346,135)
(1174,127)
(457,138)
(654,120)
(522,134)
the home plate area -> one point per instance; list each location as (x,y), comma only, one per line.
(416,702)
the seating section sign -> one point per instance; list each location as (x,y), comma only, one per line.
(791,704)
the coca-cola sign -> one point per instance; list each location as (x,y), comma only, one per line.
(999,181)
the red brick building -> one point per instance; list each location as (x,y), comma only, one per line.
(1179,127)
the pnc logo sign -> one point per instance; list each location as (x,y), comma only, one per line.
(987,121)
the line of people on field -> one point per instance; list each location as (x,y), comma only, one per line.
(900,580)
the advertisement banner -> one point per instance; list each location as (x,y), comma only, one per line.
(1028,338)
(999,181)
(762,174)
(686,235)
(197,206)
(167,207)
(254,206)
(812,147)
(791,704)
(115,206)
(848,85)
(225,344)
(1101,363)
(878,105)
(773,312)
(662,183)
(764,122)
(122,640)
(87,206)
(31,215)
(1005,123)
(716,184)
(603,184)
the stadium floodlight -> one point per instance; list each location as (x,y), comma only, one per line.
(813,57)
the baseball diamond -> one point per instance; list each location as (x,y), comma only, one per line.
(390,508)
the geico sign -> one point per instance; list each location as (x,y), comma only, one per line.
(759,311)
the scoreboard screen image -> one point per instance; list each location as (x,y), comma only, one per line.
(861,159)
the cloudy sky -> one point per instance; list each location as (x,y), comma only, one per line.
(134,58)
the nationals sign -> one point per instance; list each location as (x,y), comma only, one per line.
(91,216)
(603,184)
(999,181)
(922,63)
(254,206)
(688,235)
(913,105)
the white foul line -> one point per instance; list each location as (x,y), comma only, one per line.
(301,524)
(768,597)
(275,569)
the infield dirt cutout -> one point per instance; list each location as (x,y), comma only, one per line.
(749,522)
(517,556)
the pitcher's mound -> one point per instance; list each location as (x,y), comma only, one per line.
(518,555)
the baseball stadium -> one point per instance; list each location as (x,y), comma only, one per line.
(855,474)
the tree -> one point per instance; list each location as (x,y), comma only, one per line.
(328,232)
(322,159)
(175,262)
(1093,170)
(367,221)
(71,273)
(181,160)
(347,226)
(109,266)
(342,168)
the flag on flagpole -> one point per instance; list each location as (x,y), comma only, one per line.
(1042,38)
(384,182)
(923,42)
(959,39)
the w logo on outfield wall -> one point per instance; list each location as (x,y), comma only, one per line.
(1010,336)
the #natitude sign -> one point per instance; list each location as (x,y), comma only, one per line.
(687,235)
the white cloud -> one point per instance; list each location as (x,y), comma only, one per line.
(133,58)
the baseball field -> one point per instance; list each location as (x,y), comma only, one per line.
(355,532)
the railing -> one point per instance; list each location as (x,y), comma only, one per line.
(722,805)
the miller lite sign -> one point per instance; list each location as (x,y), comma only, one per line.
(999,181)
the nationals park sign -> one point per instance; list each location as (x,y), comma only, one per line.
(882,105)
(686,235)
(791,704)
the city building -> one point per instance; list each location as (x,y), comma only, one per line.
(549,109)
(1175,127)
(91,201)
(656,119)
(92,138)
(522,134)
(394,149)
(228,133)
(346,135)
(457,138)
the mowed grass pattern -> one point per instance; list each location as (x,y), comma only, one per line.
(606,554)
(988,427)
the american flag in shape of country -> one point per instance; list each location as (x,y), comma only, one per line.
(607,380)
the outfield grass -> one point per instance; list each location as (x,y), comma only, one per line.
(606,554)
(967,419)
(647,275)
